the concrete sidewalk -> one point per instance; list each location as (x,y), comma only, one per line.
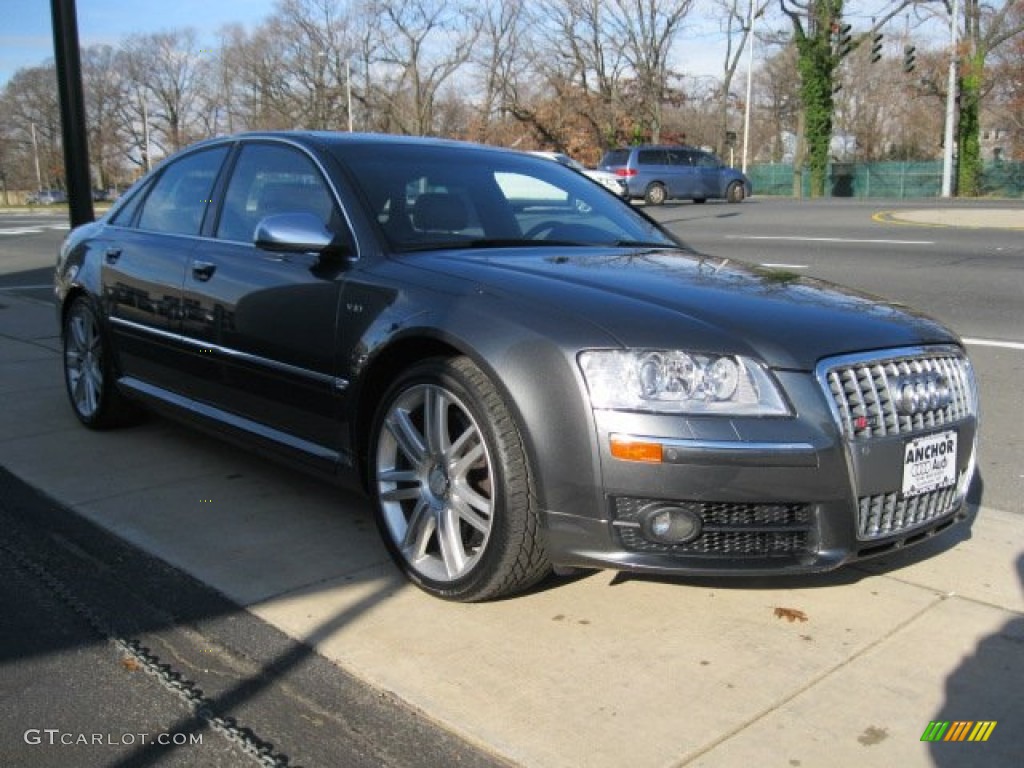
(846,669)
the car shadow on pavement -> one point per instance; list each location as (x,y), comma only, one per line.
(276,697)
(984,689)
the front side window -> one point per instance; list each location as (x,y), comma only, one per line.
(181,195)
(270,179)
(707,160)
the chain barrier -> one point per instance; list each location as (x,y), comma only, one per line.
(202,708)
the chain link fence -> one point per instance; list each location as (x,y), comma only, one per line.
(890,179)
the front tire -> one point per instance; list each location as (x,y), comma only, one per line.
(89,371)
(735,193)
(451,485)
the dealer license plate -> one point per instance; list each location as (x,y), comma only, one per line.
(929,463)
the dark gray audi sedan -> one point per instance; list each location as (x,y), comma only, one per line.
(519,368)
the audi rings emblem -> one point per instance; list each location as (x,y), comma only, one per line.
(918,394)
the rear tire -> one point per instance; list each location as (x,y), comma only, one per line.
(89,375)
(655,194)
(453,495)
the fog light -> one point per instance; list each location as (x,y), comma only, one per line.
(669,525)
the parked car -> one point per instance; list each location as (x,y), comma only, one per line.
(521,370)
(604,178)
(47,197)
(656,173)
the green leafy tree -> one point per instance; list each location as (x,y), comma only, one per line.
(986,27)
(813,22)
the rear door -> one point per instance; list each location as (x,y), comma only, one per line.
(709,169)
(146,250)
(686,180)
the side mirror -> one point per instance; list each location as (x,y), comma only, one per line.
(293,233)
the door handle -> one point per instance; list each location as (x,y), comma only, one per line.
(111,255)
(203,270)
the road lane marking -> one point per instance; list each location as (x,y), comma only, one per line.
(793,238)
(785,266)
(21,231)
(994,343)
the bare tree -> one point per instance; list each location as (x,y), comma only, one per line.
(737,21)
(315,48)
(647,30)
(498,61)
(105,91)
(419,47)
(164,70)
(31,128)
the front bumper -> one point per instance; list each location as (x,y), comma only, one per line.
(773,495)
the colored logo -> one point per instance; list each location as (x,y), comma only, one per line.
(959,730)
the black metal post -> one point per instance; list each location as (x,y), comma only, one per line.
(72,111)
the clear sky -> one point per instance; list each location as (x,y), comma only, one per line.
(26,36)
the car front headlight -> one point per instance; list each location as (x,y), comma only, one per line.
(677,381)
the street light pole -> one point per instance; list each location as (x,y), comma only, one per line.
(348,91)
(947,149)
(35,156)
(750,79)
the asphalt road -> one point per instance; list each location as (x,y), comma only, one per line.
(971,279)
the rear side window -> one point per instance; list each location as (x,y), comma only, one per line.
(652,157)
(181,195)
(680,157)
(615,157)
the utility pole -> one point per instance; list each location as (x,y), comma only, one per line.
(947,148)
(35,156)
(72,111)
(750,78)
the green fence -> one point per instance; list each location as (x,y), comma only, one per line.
(892,179)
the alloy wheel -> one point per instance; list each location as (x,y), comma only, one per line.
(434,477)
(83,361)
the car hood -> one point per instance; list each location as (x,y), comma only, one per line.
(668,298)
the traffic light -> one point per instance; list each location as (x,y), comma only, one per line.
(909,60)
(876,48)
(845,40)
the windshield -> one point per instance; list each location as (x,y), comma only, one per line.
(427,197)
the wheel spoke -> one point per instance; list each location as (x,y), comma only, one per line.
(458,446)
(435,420)
(91,391)
(449,539)
(401,494)
(420,528)
(468,460)
(78,334)
(409,439)
(465,509)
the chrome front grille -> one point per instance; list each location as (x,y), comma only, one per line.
(887,514)
(861,390)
